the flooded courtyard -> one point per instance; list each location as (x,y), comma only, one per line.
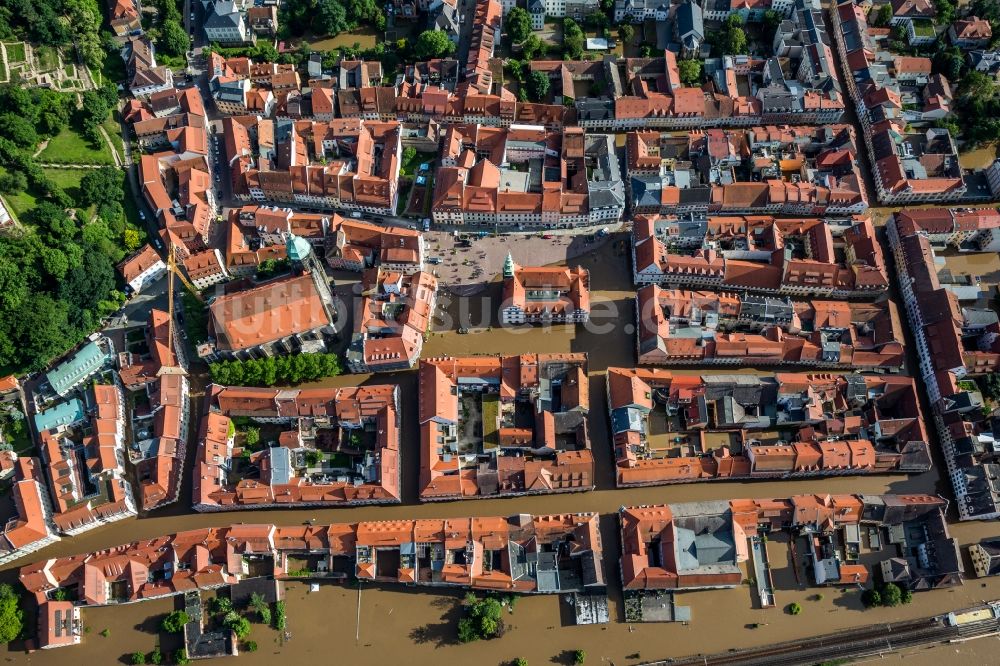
(393,624)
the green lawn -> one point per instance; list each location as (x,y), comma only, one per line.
(19,202)
(409,167)
(69,147)
(47,59)
(69,181)
(114,130)
(17,436)
(15,52)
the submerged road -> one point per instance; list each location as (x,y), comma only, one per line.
(852,644)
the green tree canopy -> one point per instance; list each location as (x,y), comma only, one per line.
(331,18)
(538,86)
(433,44)
(19,130)
(11,614)
(174,39)
(690,72)
(883,16)
(174,622)
(518,24)
(891,595)
(102,186)
(573,39)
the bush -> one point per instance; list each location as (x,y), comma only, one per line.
(520,661)
(174,622)
(260,605)
(250,646)
(871,598)
(794,608)
(181,657)
(105,633)
(156,657)
(138,657)
(221,605)
(579,657)
(280,620)
(238,624)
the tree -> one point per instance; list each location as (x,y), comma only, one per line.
(538,86)
(734,39)
(331,18)
(871,598)
(102,186)
(132,239)
(11,614)
(173,39)
(690,72)
(467,631)
(181,657)
(626,31)
(409,154)
(252,437)
(518,24)
(19,130)
(579,657)
(884,16)
(239,626)
(597,20)
(155,657)
(433,44)
(138,657)
(174,622)
(250,646)
(977,86)
(483,620)
(532,47)
(891,595)
(222,605)
(906,596)
(949,63)
(794,608)
(573,39)
(945,12)
(13,182)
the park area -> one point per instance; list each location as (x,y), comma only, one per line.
(70,147)
(67,179)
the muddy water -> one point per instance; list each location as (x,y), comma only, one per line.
(417,626)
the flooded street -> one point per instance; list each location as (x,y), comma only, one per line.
(418,626)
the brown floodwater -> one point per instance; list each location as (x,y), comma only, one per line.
(395,624)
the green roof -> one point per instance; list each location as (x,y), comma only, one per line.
(298,248)
(63,414)
(64,377)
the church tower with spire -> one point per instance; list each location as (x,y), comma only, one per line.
(509,266)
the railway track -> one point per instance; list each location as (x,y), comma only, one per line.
(855,643)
